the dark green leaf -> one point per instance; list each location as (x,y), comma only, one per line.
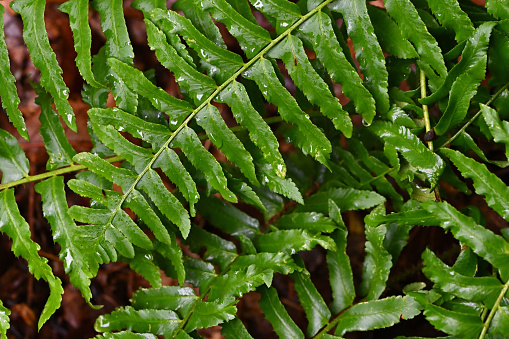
(311,221)
(235,329)
(450,15)
(458,324)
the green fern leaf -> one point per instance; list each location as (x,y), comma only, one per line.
(219,63)
(318,29)
(485,182)
(59,149)
(377,264)
(312,221)
(197,84)
(118,45)
(412,149)
(235,95)
(338,262)
(218,250)
(485,289)
(347,199)
(8,92)
(500,323)
(199,273)
(171,254)
(278,262)
(498,129)
(251,37)
(165,201)
(165,298)
(78,20)
(235,329)
(414,29)
(4,319)
(498,8)
(43,57)
(238,282)
(147,5)
(291,241)
(316,310)
(159,322)
(450,15)
(13,224)
(223,138)
(126,335)
(201,20)
(176,109)
(389,35)
(367,49)
(142,263)
(276,314)
(377,314)
(55,208)
(465,86)
(13,161)
(120,176)
(311,140)
(227,217)
(482,241)
(208,314)
(285,12)
(291,51)
(188,141)
(461,325)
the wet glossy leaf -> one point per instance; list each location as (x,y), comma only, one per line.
(347,199)
(450,15)
(235,329)
(235,283)
(207,314)
(291,241)
(458,324)
(4,320)
(284,11)
(13,161)
(165,297)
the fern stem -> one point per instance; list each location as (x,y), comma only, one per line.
(493,310)
(462,129)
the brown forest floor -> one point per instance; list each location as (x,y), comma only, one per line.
(115,283)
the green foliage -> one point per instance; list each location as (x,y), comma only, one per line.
(279,140)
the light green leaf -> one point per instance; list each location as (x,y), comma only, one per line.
(201,19)
(347,199)
(485,289)
(13,161)
(235,329)
(276,314)
(277,262)
(465,86)
(118,45)
(159,322)
(59,149)
(498,8)
(227,217)
(450,15)
(377,264)
(43,57)
(238,282)
(291,241)
(318,29)
(219,63)
(251,37)
(4,319)
(482,241)
(311,140)
(64,229)
(235,95)
(165,201)
(13,224)
(498,129)
(312,221)
(208,314)
(461,325)
(197,84)
(377,314)
(165,298)
(485,182)
(8,92)
(367,49)
(291,51)
(414,29)
(285,12)
(143,264)
(223,138)
(412,149)
(78,20)
(126,335)
(389,35)
(188,141)
(147,5)
(176,109)
(316,310)
(170,163)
